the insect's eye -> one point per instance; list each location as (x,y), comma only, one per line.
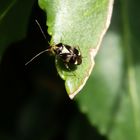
(58,50)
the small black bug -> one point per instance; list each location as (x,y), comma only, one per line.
(69,55)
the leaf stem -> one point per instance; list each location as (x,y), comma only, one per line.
(132,88)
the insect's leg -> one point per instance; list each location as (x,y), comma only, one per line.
(66,65)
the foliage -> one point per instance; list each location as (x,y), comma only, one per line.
(33,101)
(77,23)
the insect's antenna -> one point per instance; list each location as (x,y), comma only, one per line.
(36,56)
(40,29)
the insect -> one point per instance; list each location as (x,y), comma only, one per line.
(70,56)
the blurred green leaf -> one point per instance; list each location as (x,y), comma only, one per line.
(14,15)
(77,23)
(98,96)
(111,96)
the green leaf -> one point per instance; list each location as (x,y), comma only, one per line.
(98,96)
(111,97)
(14,15)
(80,24)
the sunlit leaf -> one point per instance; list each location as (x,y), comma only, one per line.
(80,24)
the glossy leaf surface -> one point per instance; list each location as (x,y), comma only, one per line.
(80,24)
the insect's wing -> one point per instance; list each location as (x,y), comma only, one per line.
(65,57)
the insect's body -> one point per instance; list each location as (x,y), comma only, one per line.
(69,55)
